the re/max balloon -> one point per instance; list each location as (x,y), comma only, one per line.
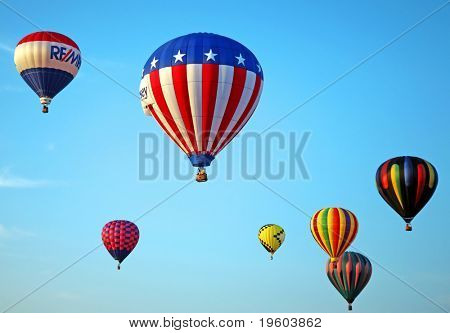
(47,61)
(271,236)
(334,229)
(406,183)
(201,89)
(349,275)
(120,238)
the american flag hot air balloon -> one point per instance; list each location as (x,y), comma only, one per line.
(201,89)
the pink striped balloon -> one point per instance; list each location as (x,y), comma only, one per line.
(349,275)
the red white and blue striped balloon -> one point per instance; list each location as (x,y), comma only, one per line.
(202,89)
(47,61)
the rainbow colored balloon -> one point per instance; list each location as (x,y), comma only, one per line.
(406,183)
(334,229)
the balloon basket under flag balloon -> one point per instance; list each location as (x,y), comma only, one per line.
(201,176)
(201,161)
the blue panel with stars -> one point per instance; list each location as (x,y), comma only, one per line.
(203,48)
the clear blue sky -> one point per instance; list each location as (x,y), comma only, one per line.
(76,168)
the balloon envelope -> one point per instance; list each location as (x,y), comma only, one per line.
(406,183)
(120,238)
(349,275)
(202,88)
(271,236)
(48,62)
(334,229)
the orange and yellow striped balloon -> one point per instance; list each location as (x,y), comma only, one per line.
(334,229)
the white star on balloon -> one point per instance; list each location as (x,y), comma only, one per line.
(154,61)
(259,67)
(210,55)
(240,60)
(179,56)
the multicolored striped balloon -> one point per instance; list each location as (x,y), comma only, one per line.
(271,236)
(406,183)
(201,89)
(334,229)
(120,238)
(349,275)
(47,61)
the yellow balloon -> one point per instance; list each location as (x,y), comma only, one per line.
(271,237)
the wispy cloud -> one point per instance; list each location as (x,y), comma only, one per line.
(3,232)
(6,48)
(14,233)
(9,180)
(67,296)
(11,88)
(10,235)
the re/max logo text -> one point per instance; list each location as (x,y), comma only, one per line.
(64,54)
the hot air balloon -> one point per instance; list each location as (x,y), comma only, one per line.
(201,89)
(271,236)
(120,238)
(47,61)
(334,229)
(406,183)
(350,275)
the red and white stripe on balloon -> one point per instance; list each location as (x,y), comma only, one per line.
(201,89)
